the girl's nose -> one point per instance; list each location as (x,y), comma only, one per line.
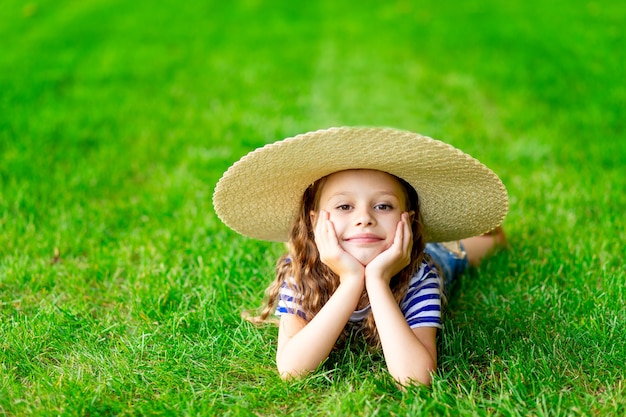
(364,218)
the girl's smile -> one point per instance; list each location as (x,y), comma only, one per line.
(365,207)
(363,238)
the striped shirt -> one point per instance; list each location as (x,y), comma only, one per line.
(421,306)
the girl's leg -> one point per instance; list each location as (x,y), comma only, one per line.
(478,247)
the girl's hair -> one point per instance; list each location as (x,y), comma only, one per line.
(314,283)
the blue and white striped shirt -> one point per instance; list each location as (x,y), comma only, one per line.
(421,305)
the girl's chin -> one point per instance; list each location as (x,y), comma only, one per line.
(364,256)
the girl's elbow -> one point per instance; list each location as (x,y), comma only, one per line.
(288,373)
(292,375)
(408,377)
(410,380)
(285,376)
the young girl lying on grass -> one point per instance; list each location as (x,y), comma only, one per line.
(357,207)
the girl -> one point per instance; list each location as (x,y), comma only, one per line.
(357,206)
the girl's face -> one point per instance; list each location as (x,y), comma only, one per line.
(365,207)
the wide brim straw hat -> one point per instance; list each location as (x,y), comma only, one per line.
(259,196)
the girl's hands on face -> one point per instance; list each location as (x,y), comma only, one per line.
(332,254)
(396,257)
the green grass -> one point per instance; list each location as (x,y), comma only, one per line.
(120,290)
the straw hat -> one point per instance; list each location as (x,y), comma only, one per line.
(259,196)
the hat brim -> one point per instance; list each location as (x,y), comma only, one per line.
(259,196)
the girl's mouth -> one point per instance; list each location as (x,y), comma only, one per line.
(363,238)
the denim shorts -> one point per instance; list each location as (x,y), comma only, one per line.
(451,264)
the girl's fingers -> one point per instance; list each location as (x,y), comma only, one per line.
(403,233)
(403,241)
(325,236)
(331,234)
(408,234)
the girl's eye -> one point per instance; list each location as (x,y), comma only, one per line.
(344,207)
(383,207)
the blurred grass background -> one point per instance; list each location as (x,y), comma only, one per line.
(121,290)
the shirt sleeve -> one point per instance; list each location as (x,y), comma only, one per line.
(422,304)
(288,301)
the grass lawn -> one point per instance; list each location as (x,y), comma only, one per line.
(121,291)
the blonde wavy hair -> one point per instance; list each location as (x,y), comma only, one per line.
(302,270)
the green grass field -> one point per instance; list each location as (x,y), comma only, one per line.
(120,290)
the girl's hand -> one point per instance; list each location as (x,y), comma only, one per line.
(396,257)
(332,254)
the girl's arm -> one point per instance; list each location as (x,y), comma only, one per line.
(411,355)
(303,346)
